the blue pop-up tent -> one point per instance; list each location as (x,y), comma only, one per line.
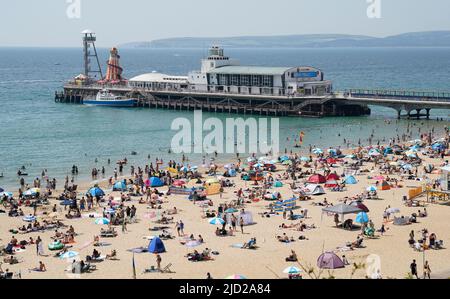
(156,246)
(96,191)
(154,182)
(350,180)
(120,186)
(232,172)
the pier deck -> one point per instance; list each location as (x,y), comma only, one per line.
(346,103)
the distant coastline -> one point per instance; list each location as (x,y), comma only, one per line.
(413,39)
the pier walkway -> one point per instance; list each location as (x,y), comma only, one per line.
(350,102)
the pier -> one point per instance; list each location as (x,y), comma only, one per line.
(354,102)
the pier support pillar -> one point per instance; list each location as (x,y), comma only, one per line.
(399,114)
(418,113)
(428,112)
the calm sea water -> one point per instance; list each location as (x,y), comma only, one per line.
(39,133)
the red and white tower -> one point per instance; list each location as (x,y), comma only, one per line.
(114,71)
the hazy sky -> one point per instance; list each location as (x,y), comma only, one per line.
(45,22)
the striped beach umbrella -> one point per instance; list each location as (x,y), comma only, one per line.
(216,221)
(292,270)
(68,255)
(102,221)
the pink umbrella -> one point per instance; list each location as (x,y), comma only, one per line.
(378,177)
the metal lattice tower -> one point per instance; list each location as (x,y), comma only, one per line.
(89,40)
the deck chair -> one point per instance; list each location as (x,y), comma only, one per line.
(167,269)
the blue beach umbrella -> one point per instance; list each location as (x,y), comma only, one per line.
(66,202)
(7,194)
(292,270)
(284,158)
(68,255)
(317,151)
(29,218)
(102,221)
(96,191)
(304,159)
(362,217)
(231,210)
(120,186)
(371,189)
(216,221)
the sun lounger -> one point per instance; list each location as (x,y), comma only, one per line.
(167,269)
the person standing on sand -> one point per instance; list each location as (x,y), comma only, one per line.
(39,246)
(158,262)
(426,270)
(413,268)
(181,227)
(241,223)
(177,226)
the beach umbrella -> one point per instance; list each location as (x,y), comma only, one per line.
(407,166)
(350,156)
(7,194)
(362,217)
(231,210)
(184,169)
(329,260)
(31,192)
(317,151)
(193,244)
(96,192)
(102,221)
(284,158)
(304,159)
(217,221)
(287,162)
(229,166)
(378,178)
(360,205)
(371,188)
(29,218)
(393,210)
(374,152)
(236,276)
(120,186)
(292,270)
(68,255)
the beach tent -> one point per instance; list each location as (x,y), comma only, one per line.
(388,151)
(232,172)
(154,182)
(331,184)
(313,189)
(317,179)
(278,184)
(304,159)
(371,189)
(333,176)
(96,192)
(385,186)
(120,186)
(212,189)
(374,152)
(329,260)
(156,246)
(342,209)
(31,192)
(284,158)
(362,217)
(350,180)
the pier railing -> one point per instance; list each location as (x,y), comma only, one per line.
(400,95)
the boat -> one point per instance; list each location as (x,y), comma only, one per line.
(106,98)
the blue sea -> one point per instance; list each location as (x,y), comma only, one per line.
(40,134)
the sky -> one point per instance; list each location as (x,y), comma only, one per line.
(46,23)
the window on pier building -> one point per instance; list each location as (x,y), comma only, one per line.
(267,80)
(223,79)
(245,80)
(234,80)
(256,80)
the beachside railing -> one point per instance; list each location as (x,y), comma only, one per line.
(398,94)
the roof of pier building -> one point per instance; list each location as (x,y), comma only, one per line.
(159,78)
(250,70)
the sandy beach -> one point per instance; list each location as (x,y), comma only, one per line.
(268,260)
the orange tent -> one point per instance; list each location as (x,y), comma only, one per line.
(385,186)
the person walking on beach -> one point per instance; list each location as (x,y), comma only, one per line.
(426,270)
(39,246)
(158,262)
(241,223)
(177,226)
(413,268)
(182,228)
